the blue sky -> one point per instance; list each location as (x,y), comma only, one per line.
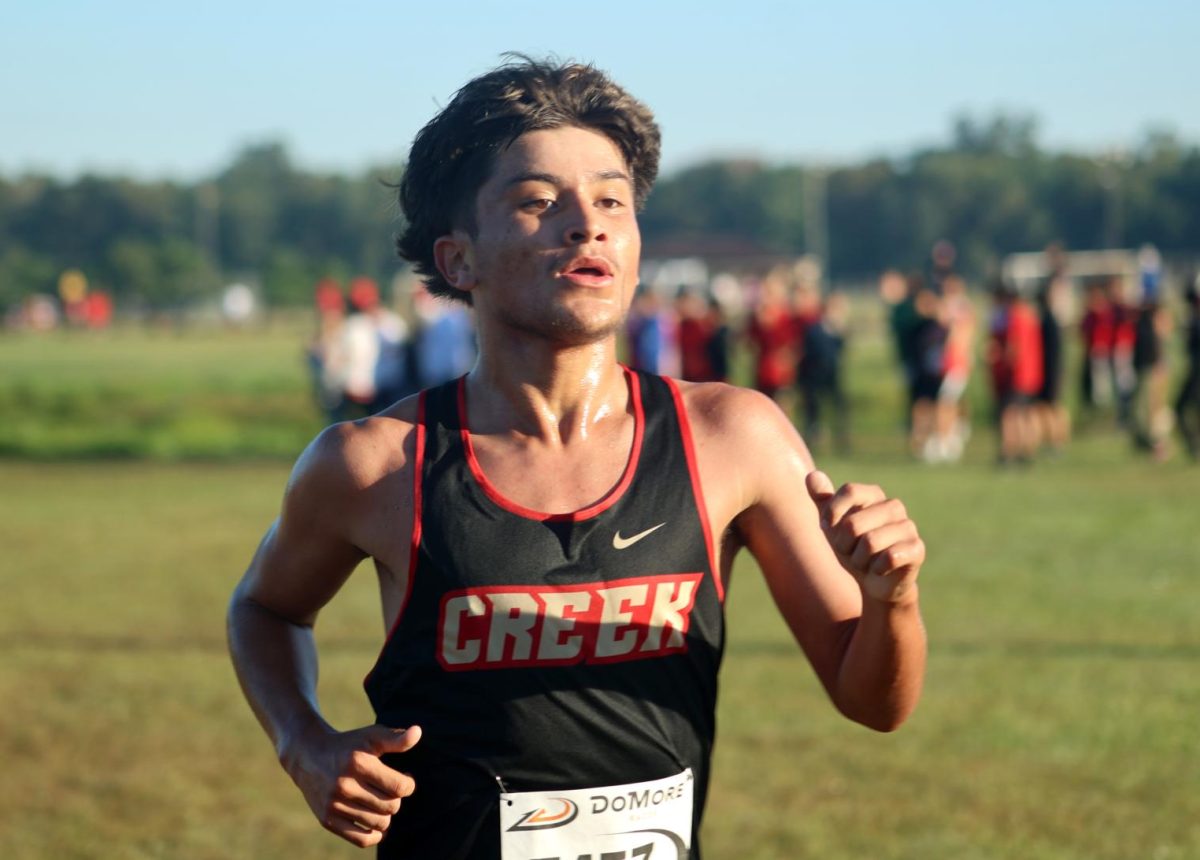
(168,89)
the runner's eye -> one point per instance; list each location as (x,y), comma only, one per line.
(537,204)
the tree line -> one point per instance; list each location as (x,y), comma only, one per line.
(990,188)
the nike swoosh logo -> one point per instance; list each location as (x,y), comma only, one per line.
(623,543)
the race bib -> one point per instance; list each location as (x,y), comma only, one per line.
(640,821)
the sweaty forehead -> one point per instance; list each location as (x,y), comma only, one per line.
(568,154)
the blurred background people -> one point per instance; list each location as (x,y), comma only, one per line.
(393,375)
(952,425)
(807,310)
(1124,337)
(900,292)
(1151,416)
(368,350)
(1096,331)
(697,327)
(1015,357)
(1150,273)
(324,355)
(1187,401)
(650,330)
(1053,420)
(928,353)
(941,263)
(445,339)
(719,340)
(819,374)
(772,336)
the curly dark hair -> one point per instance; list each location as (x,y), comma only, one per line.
(453,155)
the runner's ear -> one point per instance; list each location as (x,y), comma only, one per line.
(455,259)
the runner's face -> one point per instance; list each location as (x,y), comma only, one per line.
(557,245)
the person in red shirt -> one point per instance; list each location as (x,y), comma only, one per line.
(1124,337)
(695,331)
(1096,330)
(1024,348)
(772,333)
(1015,354)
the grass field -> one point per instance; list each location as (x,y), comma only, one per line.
(157,394)
(1058,719)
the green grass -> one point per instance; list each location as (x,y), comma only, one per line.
(1058,719)
(158,394)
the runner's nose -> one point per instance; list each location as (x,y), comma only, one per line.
(584,226)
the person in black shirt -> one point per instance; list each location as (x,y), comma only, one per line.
(1187,402)
(553,532)
(1054,422)
(928,346)
(1151,414)
(820,374)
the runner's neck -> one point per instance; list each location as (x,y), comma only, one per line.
(565,397)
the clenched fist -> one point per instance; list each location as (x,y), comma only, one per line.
(872,536)
(349,789)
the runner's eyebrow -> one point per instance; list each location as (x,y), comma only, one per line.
(553,179)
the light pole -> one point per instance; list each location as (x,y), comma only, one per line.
(816,217)
(1111,168)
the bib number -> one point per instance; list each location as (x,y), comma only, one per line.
(639,821)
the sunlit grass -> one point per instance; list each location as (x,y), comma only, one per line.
(163,395)
(1058,719)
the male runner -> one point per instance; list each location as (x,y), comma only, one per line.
(553,533)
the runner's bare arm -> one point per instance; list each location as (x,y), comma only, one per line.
(847,590)
(304,559)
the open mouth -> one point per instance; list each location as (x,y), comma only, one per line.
(588,268)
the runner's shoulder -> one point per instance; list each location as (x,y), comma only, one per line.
(354,456)
(731,412)
(745,444)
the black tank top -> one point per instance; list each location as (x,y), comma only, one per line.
(549,651)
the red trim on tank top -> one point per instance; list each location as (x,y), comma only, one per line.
(607,501)
(414,544)
(689,450)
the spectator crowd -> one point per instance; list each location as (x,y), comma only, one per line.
(366,353)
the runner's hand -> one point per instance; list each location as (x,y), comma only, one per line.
(349,789)
(871,535)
